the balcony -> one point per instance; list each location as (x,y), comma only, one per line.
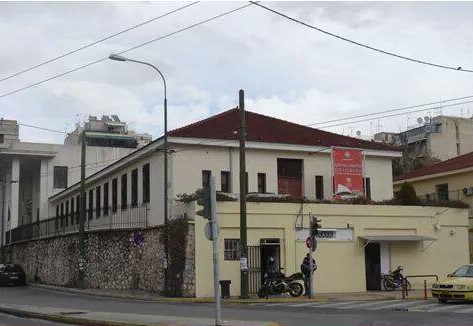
(105,218)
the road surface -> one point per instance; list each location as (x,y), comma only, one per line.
(373,313)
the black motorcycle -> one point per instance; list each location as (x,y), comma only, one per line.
(280,284)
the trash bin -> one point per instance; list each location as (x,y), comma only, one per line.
(225,289)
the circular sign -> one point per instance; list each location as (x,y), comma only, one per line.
(208,231)
(308,242)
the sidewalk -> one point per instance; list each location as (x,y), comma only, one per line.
(154,297)
(82,317)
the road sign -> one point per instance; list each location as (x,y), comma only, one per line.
(208,231)
(311,243)
(308,242)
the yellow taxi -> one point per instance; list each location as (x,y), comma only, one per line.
(457,286)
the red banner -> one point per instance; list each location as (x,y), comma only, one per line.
(347,165)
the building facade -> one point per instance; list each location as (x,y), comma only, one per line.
(355,245)
(447,180)
(32,172)
(441,137)
(282,158)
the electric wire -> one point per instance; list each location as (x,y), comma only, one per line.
(97,42)
(42,128)
(390,110)
(394,115)
(127,50)
(399,56)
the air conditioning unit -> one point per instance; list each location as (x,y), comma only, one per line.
(468,191)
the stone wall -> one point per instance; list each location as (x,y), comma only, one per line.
(114,260)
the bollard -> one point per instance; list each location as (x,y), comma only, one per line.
(425,289)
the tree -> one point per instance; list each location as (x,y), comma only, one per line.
(406,195)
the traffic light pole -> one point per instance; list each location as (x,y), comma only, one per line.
(311,275)
(213,213)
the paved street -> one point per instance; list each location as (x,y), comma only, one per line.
(8,320)
(315,314)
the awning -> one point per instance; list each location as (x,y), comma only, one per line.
(395,238)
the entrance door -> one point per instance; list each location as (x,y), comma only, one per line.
(270,248)
(373,267)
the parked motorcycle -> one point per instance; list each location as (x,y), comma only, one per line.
(395,280)
(281,284)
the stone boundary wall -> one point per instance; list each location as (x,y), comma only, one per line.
(115,259)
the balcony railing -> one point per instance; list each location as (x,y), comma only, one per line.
(449,196)
(105,218)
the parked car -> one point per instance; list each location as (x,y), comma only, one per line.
(12,274)
(457,286)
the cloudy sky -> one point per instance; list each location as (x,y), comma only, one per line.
(287,71)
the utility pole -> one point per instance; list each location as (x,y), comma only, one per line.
(243,233)
(80,281)
(214,221)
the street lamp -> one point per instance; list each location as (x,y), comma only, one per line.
(117,57)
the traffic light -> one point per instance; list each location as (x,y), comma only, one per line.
(204,201)
(314,227)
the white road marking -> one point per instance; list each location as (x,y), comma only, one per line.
(365,305)
(403,304)
(465,311)
(338,304)
(426,305)
(445,307)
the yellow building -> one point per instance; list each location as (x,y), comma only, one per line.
(447,180)
(357,244)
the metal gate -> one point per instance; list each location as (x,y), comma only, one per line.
(254,269)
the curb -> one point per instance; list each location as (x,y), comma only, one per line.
(66,319)
(81,321)
(201,300)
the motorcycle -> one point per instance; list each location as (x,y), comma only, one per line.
(395,280)
(281,284)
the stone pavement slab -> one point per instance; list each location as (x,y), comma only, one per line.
(83,317)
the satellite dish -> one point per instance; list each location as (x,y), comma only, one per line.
(358,133)
(426,119)
(419,120)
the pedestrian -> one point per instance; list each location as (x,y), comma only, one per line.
(271,268)
(305,269)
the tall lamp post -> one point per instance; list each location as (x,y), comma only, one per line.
(117,57)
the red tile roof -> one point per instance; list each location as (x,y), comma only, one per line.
(457,163)
(261,128)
